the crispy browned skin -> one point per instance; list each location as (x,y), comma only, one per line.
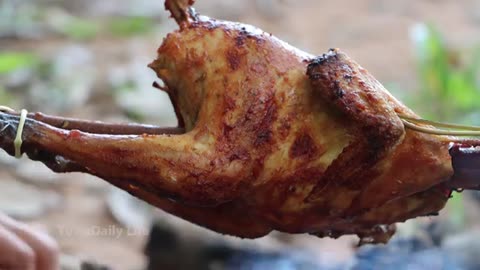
(276,139)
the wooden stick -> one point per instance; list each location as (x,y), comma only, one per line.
(99,127)
(465,154)
(466,165)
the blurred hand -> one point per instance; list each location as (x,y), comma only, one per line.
(24,248)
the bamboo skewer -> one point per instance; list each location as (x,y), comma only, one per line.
(434,127)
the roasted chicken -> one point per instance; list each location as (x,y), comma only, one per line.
(269,138)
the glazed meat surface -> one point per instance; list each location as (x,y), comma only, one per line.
(275,139)
(304,144)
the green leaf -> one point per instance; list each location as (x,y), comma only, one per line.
(11,61)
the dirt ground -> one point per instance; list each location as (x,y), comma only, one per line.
(376,33)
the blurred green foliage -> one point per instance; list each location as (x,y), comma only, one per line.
(130,26)
(11,61)
(450,90)
(5,96)
(122,27)
(80,29)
